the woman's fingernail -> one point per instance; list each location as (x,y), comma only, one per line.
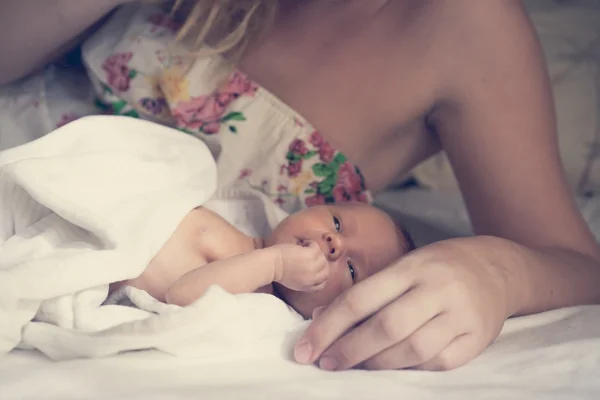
(328,363)
(303,352)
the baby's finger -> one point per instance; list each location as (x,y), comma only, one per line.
(311,244)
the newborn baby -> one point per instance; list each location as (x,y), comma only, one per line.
(309,259)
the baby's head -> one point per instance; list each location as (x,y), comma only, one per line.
(358,240)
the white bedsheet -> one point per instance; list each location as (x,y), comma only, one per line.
(554,356)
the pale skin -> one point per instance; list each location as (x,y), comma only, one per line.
(390,82)
(308,260)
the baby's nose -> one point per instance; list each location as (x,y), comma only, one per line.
(334,246)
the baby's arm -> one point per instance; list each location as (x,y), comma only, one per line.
(299,268)
(243,273)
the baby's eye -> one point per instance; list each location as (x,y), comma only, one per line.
(337,224)
(351,269)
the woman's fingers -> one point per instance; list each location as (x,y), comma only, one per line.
(389,326)
(350,308)
(459,352)
(317,311)
(422,346)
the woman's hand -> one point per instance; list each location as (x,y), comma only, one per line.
(435,309)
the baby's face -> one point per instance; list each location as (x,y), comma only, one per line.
(358,240)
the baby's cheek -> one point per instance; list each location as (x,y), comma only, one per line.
(326,296)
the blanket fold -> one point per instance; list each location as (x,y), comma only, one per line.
(89,204)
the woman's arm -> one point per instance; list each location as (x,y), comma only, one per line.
(498,129)
(33,32)
(442,305)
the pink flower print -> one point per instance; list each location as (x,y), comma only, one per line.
(200,113)
(118,74)
(160,20)
(340,195)
(282,188)
(316,200)
(298,147)
(245,173)
(66,118)
(326,152)
(279,201)
(316,139)
(294,168)
(224,98)
(349,178)
(210,128)
(238,85)
(349,186)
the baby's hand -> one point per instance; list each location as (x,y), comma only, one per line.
(302,268)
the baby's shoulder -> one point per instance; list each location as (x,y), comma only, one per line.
(213,236)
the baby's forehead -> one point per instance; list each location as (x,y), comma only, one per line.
(382,225)
(365,212)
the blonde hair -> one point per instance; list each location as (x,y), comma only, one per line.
(226,26)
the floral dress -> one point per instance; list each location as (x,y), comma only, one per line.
(137,70)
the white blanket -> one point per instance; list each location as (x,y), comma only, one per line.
(91,204)
(551,356)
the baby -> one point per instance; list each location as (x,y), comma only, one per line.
(309,259)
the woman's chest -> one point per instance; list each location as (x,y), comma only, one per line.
(368,95)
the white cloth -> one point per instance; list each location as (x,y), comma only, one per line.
(91,204)
(550,356)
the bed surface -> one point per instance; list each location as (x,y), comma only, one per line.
(549,356)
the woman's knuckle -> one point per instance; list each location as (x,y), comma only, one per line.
(444,362)
(420,348)
(374,364)
(388,328)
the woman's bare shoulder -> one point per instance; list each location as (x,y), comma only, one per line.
(475,34)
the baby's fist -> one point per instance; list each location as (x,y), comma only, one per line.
(302,268)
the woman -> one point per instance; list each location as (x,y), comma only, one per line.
(386,84)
